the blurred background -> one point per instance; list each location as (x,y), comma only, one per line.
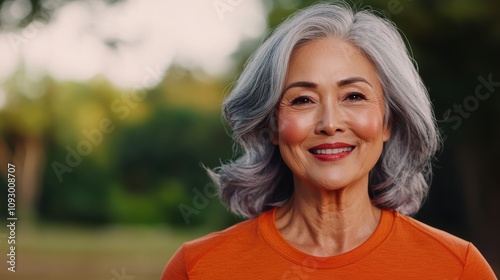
(108,109)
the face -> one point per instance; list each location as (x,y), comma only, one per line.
(331,116)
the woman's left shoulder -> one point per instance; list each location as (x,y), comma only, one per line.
(445,248)
(422,233)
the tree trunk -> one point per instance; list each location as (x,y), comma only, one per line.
(29,158)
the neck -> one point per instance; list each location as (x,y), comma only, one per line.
(328,222)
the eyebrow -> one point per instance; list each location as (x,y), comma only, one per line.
(301,84)
(352,80)
(340,83)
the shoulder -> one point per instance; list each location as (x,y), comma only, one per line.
(232,239)
(215,247)
(425,236)
(444,238)
(434,248)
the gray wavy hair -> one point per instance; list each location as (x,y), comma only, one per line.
(259,179)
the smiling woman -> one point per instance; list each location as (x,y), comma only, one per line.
(349,138)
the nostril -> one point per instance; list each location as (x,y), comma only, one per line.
(325,132)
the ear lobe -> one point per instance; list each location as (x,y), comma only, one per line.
(386,135)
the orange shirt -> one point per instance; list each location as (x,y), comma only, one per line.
(400,248)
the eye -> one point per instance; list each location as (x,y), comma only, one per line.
(355,96)
(301,100)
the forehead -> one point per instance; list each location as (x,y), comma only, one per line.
(328,44)
(331,57)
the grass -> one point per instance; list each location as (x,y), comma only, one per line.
(59,252)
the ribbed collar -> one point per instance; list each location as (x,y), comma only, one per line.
(267,224)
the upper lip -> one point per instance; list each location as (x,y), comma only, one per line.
(336,145)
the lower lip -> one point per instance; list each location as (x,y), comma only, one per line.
(332,157)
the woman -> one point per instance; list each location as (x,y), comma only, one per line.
(337,133)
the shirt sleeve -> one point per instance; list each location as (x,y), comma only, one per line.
(176,267)
(476,266)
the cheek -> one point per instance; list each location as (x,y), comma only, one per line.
(367,125)
(293,128)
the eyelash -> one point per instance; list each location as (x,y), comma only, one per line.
(355,96)
(301,100)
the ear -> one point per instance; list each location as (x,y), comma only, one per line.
(386,134)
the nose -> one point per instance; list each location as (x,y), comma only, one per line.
(329,120)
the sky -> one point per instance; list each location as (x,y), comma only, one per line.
(125,42)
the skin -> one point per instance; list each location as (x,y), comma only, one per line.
(332,94)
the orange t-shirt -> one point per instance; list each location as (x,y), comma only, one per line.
(400,248)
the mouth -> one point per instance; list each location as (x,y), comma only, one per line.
(331,151)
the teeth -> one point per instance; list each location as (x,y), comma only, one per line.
(332,151)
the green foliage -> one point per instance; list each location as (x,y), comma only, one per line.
(139,171)
(163,158)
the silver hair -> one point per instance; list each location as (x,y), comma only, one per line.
(259,179)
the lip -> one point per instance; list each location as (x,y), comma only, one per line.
(332,157)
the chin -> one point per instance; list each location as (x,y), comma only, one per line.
(330,185)
(337,183)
